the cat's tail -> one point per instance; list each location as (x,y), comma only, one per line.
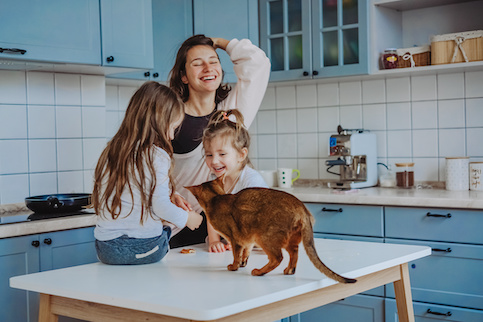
(308,240)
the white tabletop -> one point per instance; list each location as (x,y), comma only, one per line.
(199,286)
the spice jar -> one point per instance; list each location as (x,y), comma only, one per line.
(389,58)
(405,175)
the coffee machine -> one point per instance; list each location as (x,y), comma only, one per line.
(356,153)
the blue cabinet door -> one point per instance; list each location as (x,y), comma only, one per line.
(226,19)
(340,37)
(67,248)
(127,33)
(51,31)
(18,256)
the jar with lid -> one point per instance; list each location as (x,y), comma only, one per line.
(389,58)
(405,175)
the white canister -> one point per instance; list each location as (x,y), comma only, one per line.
(476,175)
(457,177)
(270,177)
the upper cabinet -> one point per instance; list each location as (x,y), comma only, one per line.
(127,33)
(50,31)
(226,19)
(315,38)
(409,23)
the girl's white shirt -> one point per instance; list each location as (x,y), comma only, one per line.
(249,178)
(252,68)
(162,208)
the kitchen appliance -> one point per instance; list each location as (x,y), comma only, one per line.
(356,153)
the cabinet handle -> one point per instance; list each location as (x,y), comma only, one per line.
(36,243)
(147,74)
(438,215)
(110,59)
(439,313)
(47,241)
(331,210)
(447,250)
(155,75)
(13,51)
(315,73)
(306,73)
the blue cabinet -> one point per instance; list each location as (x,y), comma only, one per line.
(50,31)
(315,38)
(127,33)
(34,253)
(226,19)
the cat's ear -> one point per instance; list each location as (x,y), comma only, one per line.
(194,189)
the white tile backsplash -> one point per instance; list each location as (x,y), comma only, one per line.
(451,86)
(41,122)
(94,122)
(306,95)
(451,113)
(328,117)
(93,90)
(424,114)
(374,116)
(67,89)
(398,89)
(350,93)
(474,112)
(13,88)
(40,88)
(69,154)
(307,120)
(424,88)
(42,155)
(328,94)
(286,121)
(285,97)
(70,181)
(398,116)
(267,122)
(13,123)
(13,156)
(350,117)
(69,121)
(373,91)
(307,145)
(286,145)
(43,183)
(452,142)
(473,84)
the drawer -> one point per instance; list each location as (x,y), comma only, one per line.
(347,219)
(459,226)
(429,312)
(452,275)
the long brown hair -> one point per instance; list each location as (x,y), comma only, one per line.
(151,111)
(228,125)
(179,69)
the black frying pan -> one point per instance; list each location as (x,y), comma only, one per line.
(58,203)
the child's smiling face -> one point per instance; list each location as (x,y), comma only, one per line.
(223,158)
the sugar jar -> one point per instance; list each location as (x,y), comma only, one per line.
(389,58)
(405,175)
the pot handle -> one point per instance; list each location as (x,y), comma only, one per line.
(54,202)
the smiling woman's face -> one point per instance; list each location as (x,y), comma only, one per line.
(203,69)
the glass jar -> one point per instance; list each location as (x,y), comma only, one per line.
(405,175)
(389,58)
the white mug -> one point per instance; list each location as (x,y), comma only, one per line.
(270,177)
(476,174)
(457,177)
(285,177)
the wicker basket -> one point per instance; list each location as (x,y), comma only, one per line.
(457,48)
(414,57)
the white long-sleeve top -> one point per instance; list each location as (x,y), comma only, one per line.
(252,68)
(162,208)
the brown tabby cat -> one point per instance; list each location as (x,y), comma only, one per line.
(269,218)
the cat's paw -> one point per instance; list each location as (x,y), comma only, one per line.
(289,271)
(232,267)
(257,272)
(244,263)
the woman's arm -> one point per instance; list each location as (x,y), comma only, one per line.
(252,68)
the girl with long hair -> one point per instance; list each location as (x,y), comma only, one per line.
(133,181)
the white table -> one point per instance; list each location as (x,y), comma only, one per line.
(187,287)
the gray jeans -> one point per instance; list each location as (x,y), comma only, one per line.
(125,250)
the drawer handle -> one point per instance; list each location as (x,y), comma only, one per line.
(438,215)
(13,51)
(447,250)
(439,313)
(331,210)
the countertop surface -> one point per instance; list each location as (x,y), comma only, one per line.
(178,285)
(434,198)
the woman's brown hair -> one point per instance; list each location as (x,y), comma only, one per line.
(228,125)
(122,164)
(179,69)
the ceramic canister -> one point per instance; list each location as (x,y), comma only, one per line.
(457,173)
(476,175)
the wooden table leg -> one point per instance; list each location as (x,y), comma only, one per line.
(404,299)
(45,309)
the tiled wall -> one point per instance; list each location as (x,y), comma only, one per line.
(53,126)
(52,130)
(422,119)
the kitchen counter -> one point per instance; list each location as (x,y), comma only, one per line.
(38,226)
(437,198)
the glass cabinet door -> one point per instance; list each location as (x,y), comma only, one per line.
(285,37)
(339,33)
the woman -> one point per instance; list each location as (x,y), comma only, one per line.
(197,77)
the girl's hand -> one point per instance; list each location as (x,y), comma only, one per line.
(181,202)
(220,43)
(194,220)
(218,247)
